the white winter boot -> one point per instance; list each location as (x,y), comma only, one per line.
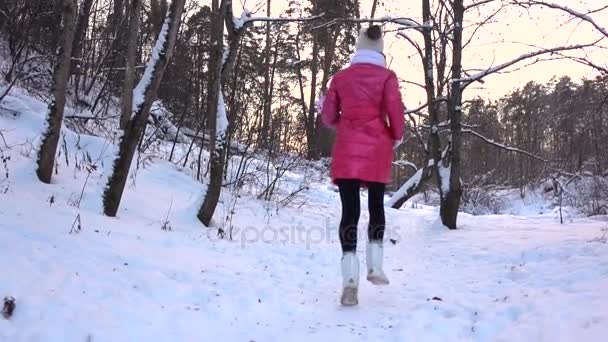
(350,276)
(374,255)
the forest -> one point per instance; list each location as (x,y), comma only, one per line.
(243,85)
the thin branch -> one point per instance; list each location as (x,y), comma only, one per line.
(569,10)
(413,43)
(481,24)
(405,163)
(477,4)
(492,70)
(3,139)
(446,124)
(588,63)
(282,19)
(414,131)
(401,80)
(504,147)
(415,110)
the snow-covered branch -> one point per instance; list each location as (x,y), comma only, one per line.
(406,188)
(501,146)
(139,93)
(243,20)
(404,163)
(403,22)
(446,124)
(411,187)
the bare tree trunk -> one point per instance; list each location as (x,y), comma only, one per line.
(50,136)
(216,112)
(217,136)
(127,91)
(450,202)
(326,136)
(79,39)
(179,127)
(310,119)
(434,144)
(144,95)
(374,5)
(117,15)
(300,79)
(267,111)
(117,46)
(158,11)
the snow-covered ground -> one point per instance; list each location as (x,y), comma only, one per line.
(498,278)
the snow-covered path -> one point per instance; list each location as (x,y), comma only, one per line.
(498,278)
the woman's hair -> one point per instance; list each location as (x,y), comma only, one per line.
(374,32)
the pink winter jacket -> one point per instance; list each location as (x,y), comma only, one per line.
(364,104)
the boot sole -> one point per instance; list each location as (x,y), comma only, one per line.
(349,296)
(376,280)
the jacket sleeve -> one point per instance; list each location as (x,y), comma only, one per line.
(331,107)
(393,107)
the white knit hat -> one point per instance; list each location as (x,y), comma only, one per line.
(366,40)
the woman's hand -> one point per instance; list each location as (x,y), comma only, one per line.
(396,143)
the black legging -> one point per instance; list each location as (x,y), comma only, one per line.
(351,210)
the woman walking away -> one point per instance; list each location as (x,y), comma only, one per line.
(364,105)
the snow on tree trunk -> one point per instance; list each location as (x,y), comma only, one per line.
(143,97)
(450,176)
(54,118)
(434,143)
(411,187)
(127,91)
(406,191)
(218,119)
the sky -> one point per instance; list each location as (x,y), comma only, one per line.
(512,33)
(509,36)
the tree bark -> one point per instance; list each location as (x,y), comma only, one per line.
(79,39)
(127,91)
(433,143)
(50,137)
(326,136)
(217,137)
(267,112)
(374,5)
(450,202)
(144,95)
(310,119)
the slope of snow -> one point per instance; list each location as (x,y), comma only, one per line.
(498,278)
